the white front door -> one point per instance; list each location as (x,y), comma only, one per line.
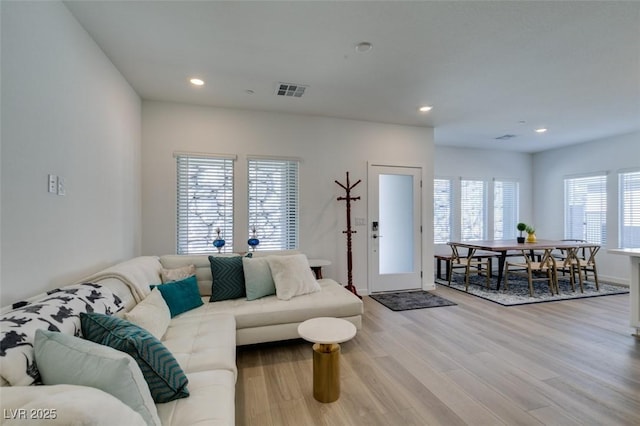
(395,231)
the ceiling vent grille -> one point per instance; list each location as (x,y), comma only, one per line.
(505,137)
(291,90)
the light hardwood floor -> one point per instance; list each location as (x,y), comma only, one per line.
(478,363)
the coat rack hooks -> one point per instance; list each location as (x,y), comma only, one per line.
(348,198)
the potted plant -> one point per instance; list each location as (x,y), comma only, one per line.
(531,234)
(521,227)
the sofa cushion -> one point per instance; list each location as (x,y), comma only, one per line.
(181,296)
(177,274)
(152,314)
(228,278)
(161,371)
(67,405)
(212,401)
(332,300)
(66,359)
(58,310)
(205,342)
(292,276)
(257,277)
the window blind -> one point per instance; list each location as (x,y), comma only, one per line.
(273,203)
(442,210)
(585,208)
(205,203)
(473,214)
(505,209)
(629,200)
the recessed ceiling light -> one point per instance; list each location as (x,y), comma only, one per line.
(541,130)
(425,108)
(197,82)
(363,47)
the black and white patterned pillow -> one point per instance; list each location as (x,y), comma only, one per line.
(58,310)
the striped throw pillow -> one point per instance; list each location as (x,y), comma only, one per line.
(160,369)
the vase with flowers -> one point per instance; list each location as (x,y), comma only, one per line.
(531,234)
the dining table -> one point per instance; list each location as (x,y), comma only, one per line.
(506,248)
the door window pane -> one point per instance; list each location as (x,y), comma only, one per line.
(396,224)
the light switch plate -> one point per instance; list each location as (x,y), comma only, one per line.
(52,181)
(62,186)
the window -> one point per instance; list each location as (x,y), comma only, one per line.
(205,203)
(505,209)
(442,210)
(629,209)
(473,211)
(273,202)
(585,208)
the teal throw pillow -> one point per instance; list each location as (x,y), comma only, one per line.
(228,278)
(161,371)
(257,277)
(181,296)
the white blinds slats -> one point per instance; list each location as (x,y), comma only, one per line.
(585,211)
(629,209)
(505,209)
(205,203)
(472,203)
(442,210)
(273,202)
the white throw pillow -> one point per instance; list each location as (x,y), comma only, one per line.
(292,276)
(177,274)
(152,314)
(66,359)
(64,405)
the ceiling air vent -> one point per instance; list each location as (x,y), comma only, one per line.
(291,90)
(505,137)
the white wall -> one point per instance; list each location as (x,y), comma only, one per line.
(551,167)
(66,110)
(328,148)
(451,162)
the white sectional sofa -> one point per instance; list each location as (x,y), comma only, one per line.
(202,340)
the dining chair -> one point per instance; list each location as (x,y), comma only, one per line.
(467,263)
(542,270)
(587,263)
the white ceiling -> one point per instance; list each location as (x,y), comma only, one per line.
(488,68)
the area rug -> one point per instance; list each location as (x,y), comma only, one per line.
(406,300)
(518,292)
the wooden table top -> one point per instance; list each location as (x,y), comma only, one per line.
(506,245)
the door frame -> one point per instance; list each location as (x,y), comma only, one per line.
(371,207)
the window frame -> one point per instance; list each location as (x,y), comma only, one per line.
(575,184)
(205,232)
(275,230)
(628,208)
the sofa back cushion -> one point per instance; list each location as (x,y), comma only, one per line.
(58,310)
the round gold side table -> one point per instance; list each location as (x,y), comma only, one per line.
(326,334)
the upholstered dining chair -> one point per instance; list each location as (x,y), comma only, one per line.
(542,270)
(480,265)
